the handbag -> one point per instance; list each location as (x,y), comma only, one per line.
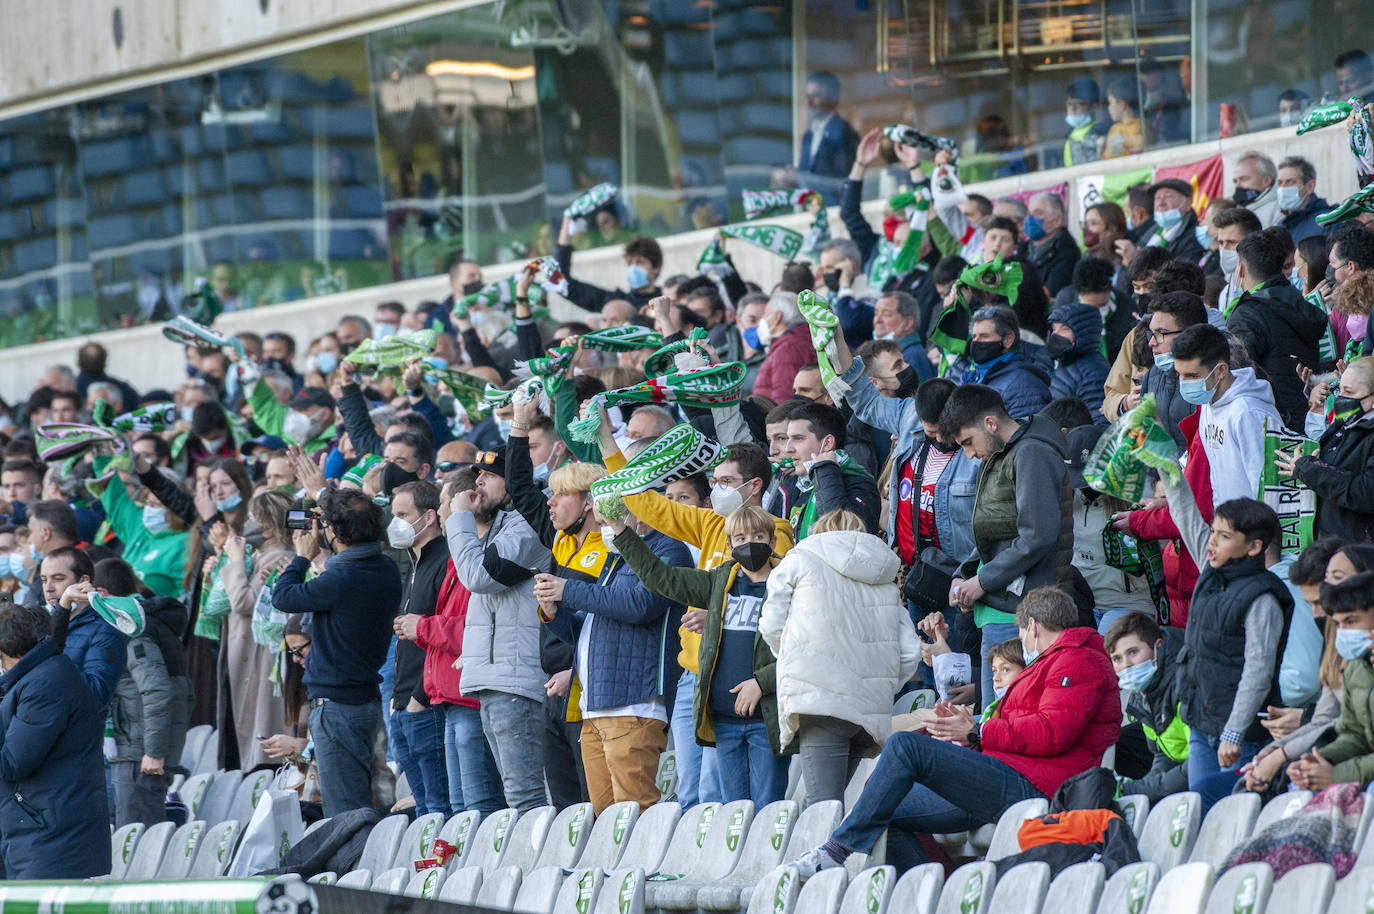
(927,583)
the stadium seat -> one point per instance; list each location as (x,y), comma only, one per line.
(1182,890)
(911,701)
(249,792)
(329,877)
(499,888)
(459,831)
(392,881)
(1280,808)
(1306,888)
(763,851)
(357,879)
(666,779)
(1004,841)
(382,844)
(664,833)
(220,797)
(1076,888)
(823,892)
(775,893)
(1242,888)
(490,843)
(1129,889)
(208,760)
(718,852)
(580,889)
(969,890)
(1021,889)
(857,782)
(122,845)
(181,850)
(1171,830)
(195,742)
(1228,823)
(539,890)
(526,838)
(918,891)
(1355,892)
(607,839)
(869,892)
(426,883)
(149,853)
(1135,809)
(193,793)
(622,893)
(567,837)
(462,886)
(418,840)
(216,850)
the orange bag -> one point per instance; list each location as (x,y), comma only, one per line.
(1074,826)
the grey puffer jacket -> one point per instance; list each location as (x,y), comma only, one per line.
(501,636)
(152,702)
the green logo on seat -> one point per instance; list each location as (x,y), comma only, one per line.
(498,839)
(575,825)
(734,828)
(973,894)
(621,827)
(1178,822)
(584,891)
(1135,891)
(130,839)
(1244,901)
(427,887)
(627,893)
(704,823)
(873,898)
(780,891)
(780,828)
(460,840)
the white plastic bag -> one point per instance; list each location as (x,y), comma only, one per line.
(275,828)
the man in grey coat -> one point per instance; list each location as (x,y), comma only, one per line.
(495,555)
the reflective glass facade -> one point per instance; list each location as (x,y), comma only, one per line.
(380,158)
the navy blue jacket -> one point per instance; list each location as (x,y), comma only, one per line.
(1024,385)
(1303,223)
(98,650)
(632,656)
(835,153)
(53,812)
(353,604)
(1082,371)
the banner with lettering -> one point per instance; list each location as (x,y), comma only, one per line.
(1294,503)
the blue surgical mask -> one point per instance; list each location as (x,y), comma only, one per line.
(1164,361)
(1168,218)
(1290,198)
(1203,236)
(750,335)
(1035,228)
(1314,425)
(326,362)
(1029,653)
(186,413)
(636,277)
(434,361)
(1195,390)
(1352,643)
(503,426)
(34,555)
(155,518)
(230,503)
(1295,279)
(1078,120)
(383,329)
(541,474)
(998,693)
(1136,678)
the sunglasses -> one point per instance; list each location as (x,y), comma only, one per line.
(448,466)
(485,458)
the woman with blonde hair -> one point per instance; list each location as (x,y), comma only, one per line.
(844,644)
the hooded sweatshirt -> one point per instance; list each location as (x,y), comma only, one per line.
(1232,430)
(1082,370)
(1281,330)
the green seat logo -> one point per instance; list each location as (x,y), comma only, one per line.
(1178,823)
(625,900)
(130,839)
(579,817)
(498,839)
(226,838)
(258,787)
(1128,813)
(780,828)
(584,891)
(192,841)
(460,839)
(431,878)
(667,774)
(1135,891)
(785,881)
(1369,899)
(704,823)
(877,886)
(733,829)
(622,825)
(1244,901)
(427,837)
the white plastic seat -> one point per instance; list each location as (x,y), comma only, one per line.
(382,842)
(823,892)
(216,850)
(580,888)
(426,883)
(1306,888)
(609,835)
(776,892)
(1076,888)
(1135,808)
(870,891)
(462,886)
(857,782)
(181,850)
(1228,823)
(1355,892)
(1129,889)
(402,788)
(193,793)
(392,881)
(539,891)
(250,790)
(666,778)
(526,838)
(716,856)
(1004,840)
(914,701)
(149,853)
(814,827)
(1021,889)
(328,877)
(122,845)
(763,851)
(918,891)
(418,840)
(688,838)
(357,879)
(565,838)
(1171,830)
(459,831)
(499,888)
(1182,890)
(622,893)
(1242,888)
(207,761)
(1280,808)
(219,799)
(653,833)
(969,890)
(492,839)
(194,745)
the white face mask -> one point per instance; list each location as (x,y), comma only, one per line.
(1228,261)
(725,500)
(608,534)
(885,336)
(764,331)
(400,534)
(298,427)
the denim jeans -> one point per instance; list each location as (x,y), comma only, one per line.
(994,633)
(343,736)
(421,756)
(138,797)
(514,726)
(925,785)
(696,764)
(1202,759)
(473,781)
(746,766)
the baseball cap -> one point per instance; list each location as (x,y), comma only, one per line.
(1081,442)
(311,396)
(268,442)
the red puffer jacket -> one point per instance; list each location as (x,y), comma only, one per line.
(1060,714)
(1180,572)
(441,635)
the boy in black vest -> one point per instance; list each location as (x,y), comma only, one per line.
(1237,629)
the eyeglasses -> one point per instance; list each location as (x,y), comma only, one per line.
(1160,336)
(299,651)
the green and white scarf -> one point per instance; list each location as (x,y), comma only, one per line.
(497,398)
(394,351)
(823,323)
(150,419)
(677,356)
(466,388)
(676,454)
(712,261)
(915,204)
(803,516)
(903,135)
(884,265)
(624,338)
(203,305)
(818,236)
(183,330)
(712,387)
(124,613)
(1328,115)
(499,294)
(784,242)
(773,201)
(1361,201)
(586,204)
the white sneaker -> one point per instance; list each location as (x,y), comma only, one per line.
(813,861)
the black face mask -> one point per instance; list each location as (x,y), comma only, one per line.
(984,351)
(1141,302)
(470,288)
(752,556)
(393,476)
(832,280)
(1331,276)
(576,526)
(346,348)
(906,382)
(943,446)
(1057,345)
(1244,196)
(277,365)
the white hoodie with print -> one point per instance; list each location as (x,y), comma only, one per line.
(1232,431)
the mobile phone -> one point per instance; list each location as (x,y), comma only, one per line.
(299,519)
(1263,715)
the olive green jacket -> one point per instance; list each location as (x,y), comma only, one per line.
(1352,752)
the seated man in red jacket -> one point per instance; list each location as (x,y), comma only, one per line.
(1055,720)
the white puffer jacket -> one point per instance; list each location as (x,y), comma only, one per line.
(842,636)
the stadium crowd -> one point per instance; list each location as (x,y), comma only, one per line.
(490,550)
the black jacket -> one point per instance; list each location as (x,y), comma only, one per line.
(1055,259)
(1281,330)
(420,596)
(589,297)
(1156,706)
(53,812)
(835,488)
(1342,475)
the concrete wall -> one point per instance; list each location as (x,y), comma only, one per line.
(146,359)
